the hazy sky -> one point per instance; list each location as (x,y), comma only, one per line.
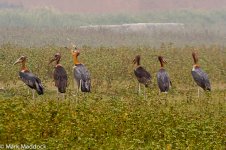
(99,6)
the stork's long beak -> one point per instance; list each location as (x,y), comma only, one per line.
(164,61)
(134,60)
(17,61)
(74,46)
(52,60)
(77,52)
(67,48)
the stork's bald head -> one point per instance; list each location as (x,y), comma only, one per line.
(56,57)
(20,60)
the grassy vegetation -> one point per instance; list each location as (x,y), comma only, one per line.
(113,115)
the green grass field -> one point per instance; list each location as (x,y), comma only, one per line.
(113,115)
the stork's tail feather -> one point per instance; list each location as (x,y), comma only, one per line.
(61,85)
(62,89)
(148,84)
(207,86)
(164,89)
(85,86)
(208,89)
(39,88)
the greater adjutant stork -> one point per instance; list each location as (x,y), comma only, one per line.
(163,77)
(81,73)
(199,76)
(29,78)
(59,74)
(143,76)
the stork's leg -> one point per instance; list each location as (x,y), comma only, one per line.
(57,94)
(166,99)
(144,93)
(33,94)
(198,91)
(76,85)
(139,88)
(80,85)
(62,96)
(28,89)
(73,79)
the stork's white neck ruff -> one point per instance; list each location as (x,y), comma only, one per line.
(194,67)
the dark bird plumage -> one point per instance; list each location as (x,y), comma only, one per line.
(142,75)
(29,78)
(81,73)
(59,74)
(82,76)
(199,76)
(163,77)
(32,81)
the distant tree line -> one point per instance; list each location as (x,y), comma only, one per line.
(47,17)
(4,5)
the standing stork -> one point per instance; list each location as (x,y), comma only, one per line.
(163,77)
(59,74)
(81,73)
(29,78)
(142,75)
(199,76)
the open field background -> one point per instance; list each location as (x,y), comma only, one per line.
(41,27)
(113,115)
(109,6)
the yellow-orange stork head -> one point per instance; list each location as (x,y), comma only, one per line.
(76,52)
(22,59)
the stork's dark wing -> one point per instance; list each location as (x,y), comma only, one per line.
(82,74)
(142,75)
(163,80)
(60,78)
(32,81)
(201,78)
